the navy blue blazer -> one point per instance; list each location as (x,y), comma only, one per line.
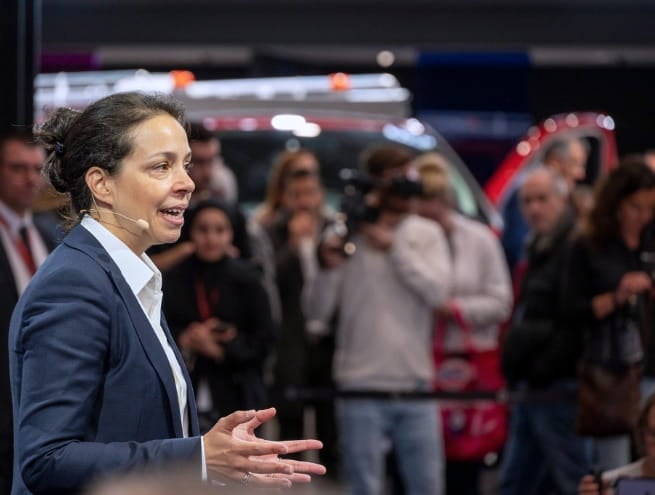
(92,390)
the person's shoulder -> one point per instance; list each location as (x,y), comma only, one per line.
(418,227)
(417,222)
(474,228)
(72,262)
(580,244)
(65,270)
(181,270)
(243,271)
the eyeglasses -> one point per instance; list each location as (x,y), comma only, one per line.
(24,167)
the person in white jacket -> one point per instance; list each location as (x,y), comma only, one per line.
(480,291)
(385,294)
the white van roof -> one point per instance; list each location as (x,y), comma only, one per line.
(360,94)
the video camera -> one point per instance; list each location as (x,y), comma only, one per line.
(355,208)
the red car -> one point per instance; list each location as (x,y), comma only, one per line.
(596,128)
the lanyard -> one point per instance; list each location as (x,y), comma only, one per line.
(205,301)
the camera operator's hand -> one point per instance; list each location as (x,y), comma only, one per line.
(331,252)
(302,225)
(632,284)
(378,235)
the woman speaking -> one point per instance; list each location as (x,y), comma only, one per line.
(98,385)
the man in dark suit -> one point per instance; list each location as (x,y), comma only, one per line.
(25,240)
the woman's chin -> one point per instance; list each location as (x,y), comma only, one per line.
(166,238)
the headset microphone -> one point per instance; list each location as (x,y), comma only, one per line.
(139,222)
(142,224)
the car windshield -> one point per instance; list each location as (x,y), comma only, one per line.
(251,154)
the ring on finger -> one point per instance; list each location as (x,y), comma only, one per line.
(246,478)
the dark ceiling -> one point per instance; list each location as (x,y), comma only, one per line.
(516,24)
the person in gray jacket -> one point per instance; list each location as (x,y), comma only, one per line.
(385,294)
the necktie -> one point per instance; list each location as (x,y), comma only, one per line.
(25,248)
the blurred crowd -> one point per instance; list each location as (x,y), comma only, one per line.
(349,320)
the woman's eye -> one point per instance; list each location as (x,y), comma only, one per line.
(188,166)
(161,166)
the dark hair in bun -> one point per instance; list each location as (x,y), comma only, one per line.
(99,136)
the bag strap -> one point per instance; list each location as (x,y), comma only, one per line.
(464,326)
(644,303)
(645,325)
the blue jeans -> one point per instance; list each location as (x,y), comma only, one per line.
(542,446)
(368,428)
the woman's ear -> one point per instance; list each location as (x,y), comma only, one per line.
(99,183)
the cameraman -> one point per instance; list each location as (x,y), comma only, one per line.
(385,293)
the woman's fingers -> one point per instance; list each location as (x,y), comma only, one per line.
(305,467)
(271,480)
(261,417)
(259,447)
(230,422)
(244,464)
(247,478)
(294,478)
(295,446)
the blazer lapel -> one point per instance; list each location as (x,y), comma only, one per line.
(83,240)
(194,428)
(152,347)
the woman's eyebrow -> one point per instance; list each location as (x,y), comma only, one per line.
(170,155)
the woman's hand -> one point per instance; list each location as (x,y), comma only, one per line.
(588,486)
(233,451)
(200,338)
(225,332)
(302,225)
(632,284)
(447,310)
(331,252)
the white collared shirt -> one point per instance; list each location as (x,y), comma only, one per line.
(145,280)
(9,234)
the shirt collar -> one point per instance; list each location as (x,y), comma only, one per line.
(13,220)
(137,270)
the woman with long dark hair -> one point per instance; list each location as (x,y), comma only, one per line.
(609,286)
